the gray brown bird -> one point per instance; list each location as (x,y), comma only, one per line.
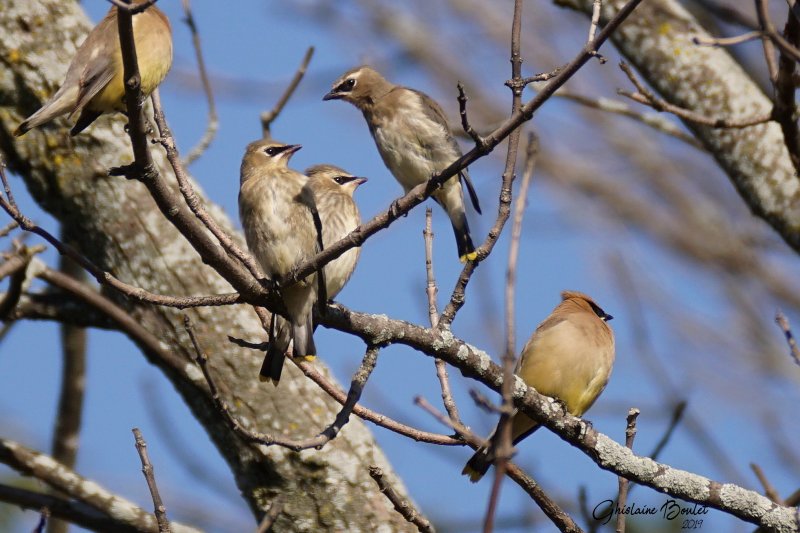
(331,192)
(568,357)
(279,227)
(93,84)
(414,140)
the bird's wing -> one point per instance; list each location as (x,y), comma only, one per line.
(94,79)
(435,113)
(102,46)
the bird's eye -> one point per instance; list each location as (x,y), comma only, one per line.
(341,180)
(272,150)
(346,85)
(599,312)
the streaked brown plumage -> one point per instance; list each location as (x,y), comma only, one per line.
(278,225)
(330,189)
(414,140)
(93,84)
(568,357)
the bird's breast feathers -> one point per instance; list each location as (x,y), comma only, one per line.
(270,222)
(412,146)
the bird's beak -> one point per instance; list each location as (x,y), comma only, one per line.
(360,181)
(608,317)
(333,95)
(292,148)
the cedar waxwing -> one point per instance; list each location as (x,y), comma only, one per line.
(332,189)
(93,84)
(414,140)
(569,357)
(276,216)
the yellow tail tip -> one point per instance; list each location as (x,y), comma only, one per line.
(474,475)
(308,358)
(469,257)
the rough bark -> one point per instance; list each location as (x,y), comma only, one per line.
(657,39)
(119,227)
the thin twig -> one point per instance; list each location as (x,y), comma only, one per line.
(783,323)
(785,88)
(213,120)
(504,445)
(727,41)
(401,505)
(15,266)
(356,387)
(766,41)
(268,117)
(378,419)
(120,317)
(8,228)
(647,97)
(769,489)
(147,469)
(597,6)
(465,124)
(675,419)
(544,76)
(561,519)
(622,498)
(272,514)
(433,315)
(654,120)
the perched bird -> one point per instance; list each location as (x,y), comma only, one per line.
(276,215)
(568,357)
(93,84)
(413,138)
(331,191)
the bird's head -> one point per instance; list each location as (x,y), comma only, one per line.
(266,154)
(334,177)
(360,86)
(585,301)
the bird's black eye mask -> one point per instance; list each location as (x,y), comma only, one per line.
(599,312)
(346,86)
(272,151)
(341,180)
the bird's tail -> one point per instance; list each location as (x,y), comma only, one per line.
(478,464)
(60,104)
(451,198)
(303,335)
(276,352)
(466,250)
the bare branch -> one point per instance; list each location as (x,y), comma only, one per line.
(213,120)
(401,505)
(149,475)
(268,117)
(783,323)
(75,512)
(356,387)
(272,514)
(647,97)
(622,498)
(46,469)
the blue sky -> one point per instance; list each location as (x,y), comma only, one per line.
(257,46)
